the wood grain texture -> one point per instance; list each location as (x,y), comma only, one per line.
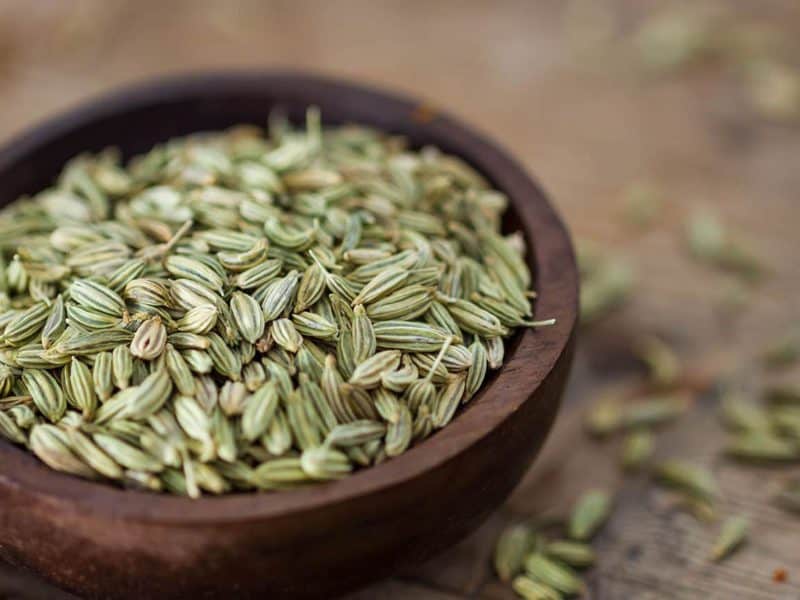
(587,125)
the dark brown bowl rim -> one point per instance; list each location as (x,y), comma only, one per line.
(557,288)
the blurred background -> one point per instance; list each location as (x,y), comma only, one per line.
(654,125)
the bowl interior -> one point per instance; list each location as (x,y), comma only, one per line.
(137,118)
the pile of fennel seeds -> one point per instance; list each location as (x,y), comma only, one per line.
(238,311)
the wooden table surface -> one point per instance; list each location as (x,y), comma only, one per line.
(559,85)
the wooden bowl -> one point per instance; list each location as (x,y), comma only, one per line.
(99,541)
